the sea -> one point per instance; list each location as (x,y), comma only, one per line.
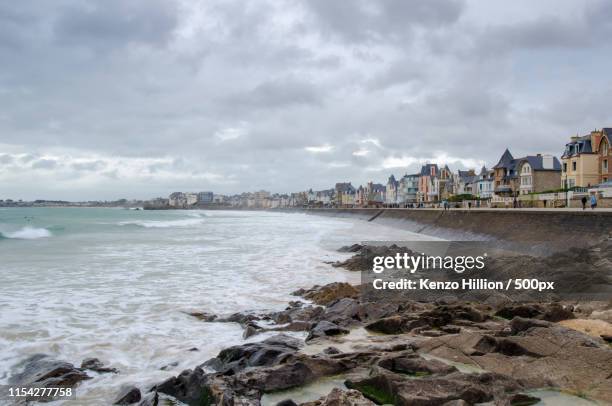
(117,284)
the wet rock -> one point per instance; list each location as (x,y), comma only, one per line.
(520,324)
(351,248)
(94,364)
(331,351)
(521,399)
(150,399)
(524,311)
(325,329)
(169,366)
(555,312)
(40,370)
(128,395)
(286,402)
(396,325)
(471,388)
(282,377)
(416,365)
(250,330)
(189,387)
(328,294)
(271,351)
(339,397)
(208,317)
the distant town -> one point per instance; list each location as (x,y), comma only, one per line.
(580,177)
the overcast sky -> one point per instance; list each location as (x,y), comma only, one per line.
(139,98)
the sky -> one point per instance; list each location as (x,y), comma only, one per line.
(111,99)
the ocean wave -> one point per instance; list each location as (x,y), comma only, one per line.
(164,223)
(27,233)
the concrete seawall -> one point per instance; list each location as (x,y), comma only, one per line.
(534,231)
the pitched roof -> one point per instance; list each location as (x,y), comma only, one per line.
(537,163)
(426,169)
(506,160)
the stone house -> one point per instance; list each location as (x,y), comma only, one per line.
(538,173)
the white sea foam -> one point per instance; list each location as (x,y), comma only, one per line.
(28,233)
(120,293)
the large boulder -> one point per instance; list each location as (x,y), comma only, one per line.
(339,397)
(94,364)
(43,371)
(272,351)
(325,329)
(128,395)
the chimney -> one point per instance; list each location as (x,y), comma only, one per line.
(547,161)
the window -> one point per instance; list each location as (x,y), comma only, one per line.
(574,166)
(564,166)
(605,165)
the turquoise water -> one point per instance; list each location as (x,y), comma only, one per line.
(115,283)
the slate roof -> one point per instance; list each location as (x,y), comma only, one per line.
(582,145)
(537,163)
(377,187)
(345,187)
(426,169)
(506,161)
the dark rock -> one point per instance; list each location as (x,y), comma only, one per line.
(416,365)
(351,248)
(128,395)
(250,330)
(169,366)
(607,338)
(525,311)
(394,325)
(325,329)
(521,399)
(282,377)
(555,312)
(272,351)
(193,349)
(519,324)
(331,351)
(150,399)
(96,365)
(434,390)
(286,402)
(189,387)
(339,397)
(40,370)
(208,317)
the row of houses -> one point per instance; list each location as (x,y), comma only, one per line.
(583,165)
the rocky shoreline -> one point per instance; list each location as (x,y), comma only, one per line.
(454,350)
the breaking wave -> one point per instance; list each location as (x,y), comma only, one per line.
(27,233)
(164,223)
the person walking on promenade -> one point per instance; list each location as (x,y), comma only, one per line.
(593,201)
(584,200)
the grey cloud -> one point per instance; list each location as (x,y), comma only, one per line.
(6,159)
(89,166)
(384,20)
(284,92)
(153,82)
(45,164)
(115,22)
